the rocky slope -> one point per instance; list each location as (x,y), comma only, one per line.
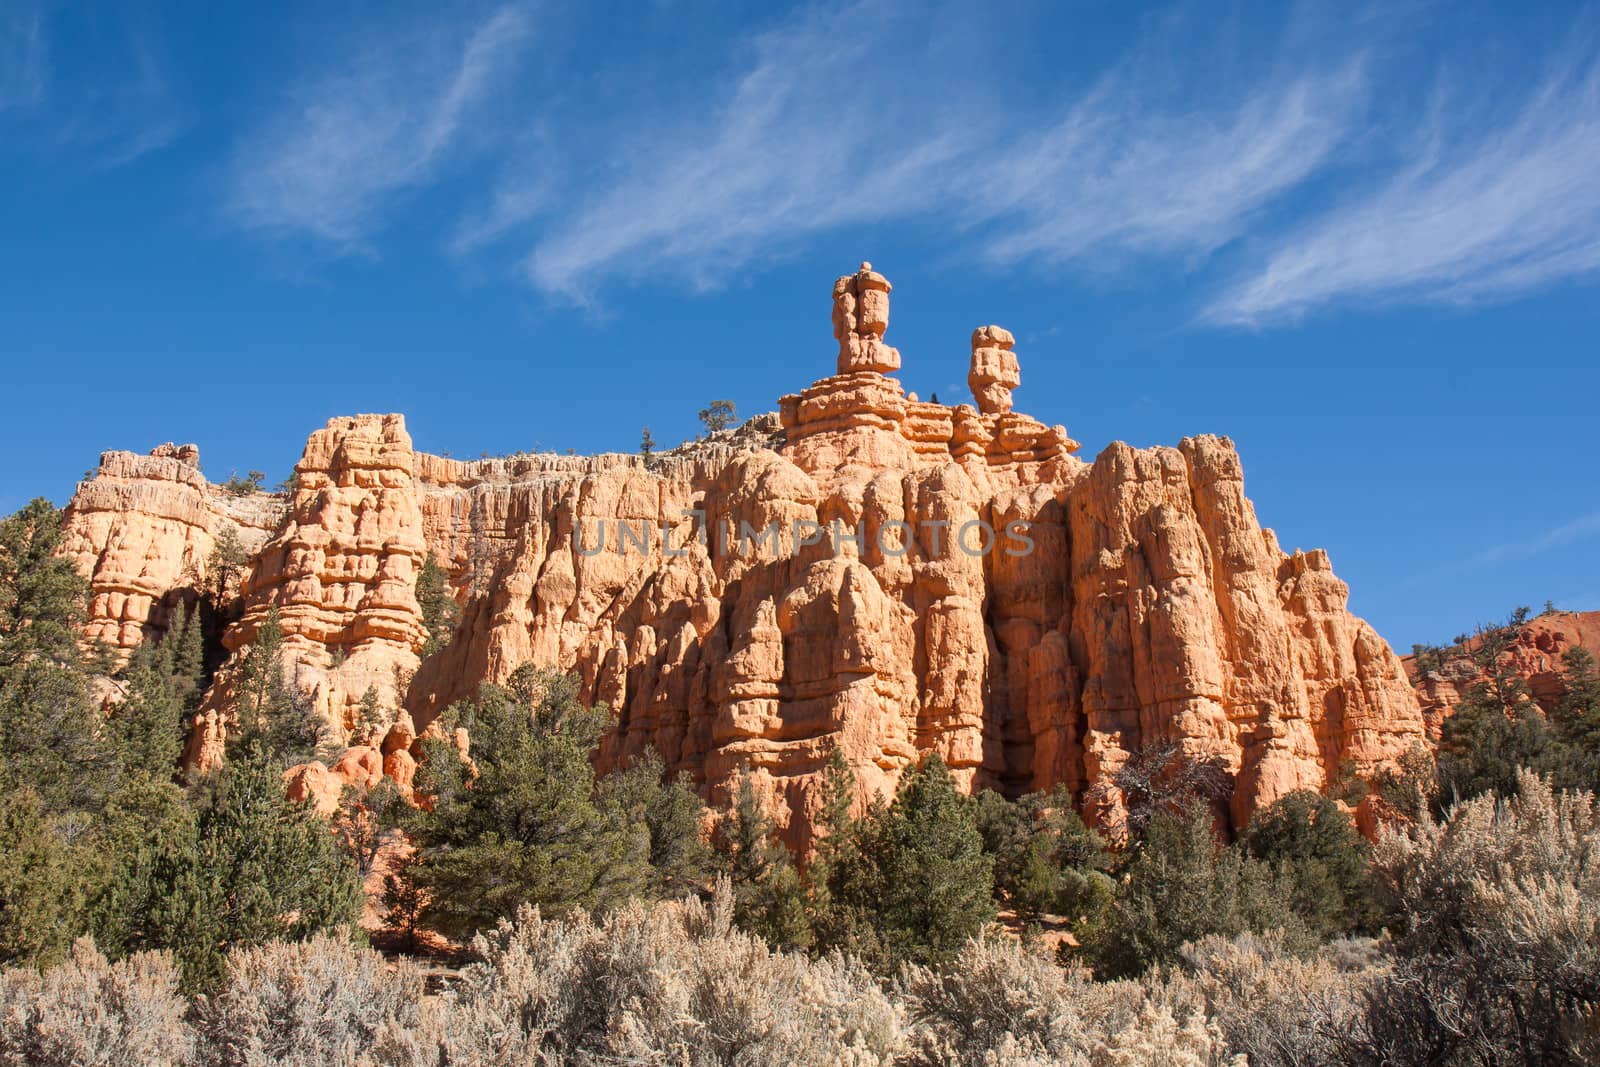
(1535,656)
(866,571)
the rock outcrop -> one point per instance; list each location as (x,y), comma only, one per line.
(143,530)
(1535,655)
(873,573)
(341,571)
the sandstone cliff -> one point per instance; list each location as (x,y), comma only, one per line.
(865,571)
(143,529)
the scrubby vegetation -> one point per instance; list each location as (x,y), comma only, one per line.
(614,919)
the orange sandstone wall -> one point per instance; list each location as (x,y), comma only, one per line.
(1151,607)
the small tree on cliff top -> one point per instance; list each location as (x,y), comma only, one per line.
(717,415)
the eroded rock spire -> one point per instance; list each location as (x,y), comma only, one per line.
(860,316)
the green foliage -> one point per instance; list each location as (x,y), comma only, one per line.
(1496,729)
(839,879)
(275,721)
(769,899)
(1045,858)
(362,819)
(671,812)
(403,904)
(250,483)
(262,868)
(1576,722)
(224,565)
(48,717)
(647,444)
(146,837)
(144,733)
(372,719)
(42,894)
(1180,885)
(42,596)
(1316,844)
(440,612)
(717,415)
(532,827)
(929,880)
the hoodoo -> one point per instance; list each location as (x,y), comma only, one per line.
(866,572)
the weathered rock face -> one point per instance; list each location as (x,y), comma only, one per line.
(1536,657)
(884,576)
(143,530)
(341,571)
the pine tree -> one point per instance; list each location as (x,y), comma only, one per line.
(48,716)
(224,566)
(671,812)
(1046,859)
(841,877)
(440,612)
(273,719)
(144,733)
(1328,860)
(42,596)
(263,868)
(769,899)
(188,660)
(1180,885)
(362,819)
(935,882)
(1576,721)
(44,880)
(532,827)
(1497,728)
(403,904)
(717,415)
(647,445)
(372,719)
(147,830)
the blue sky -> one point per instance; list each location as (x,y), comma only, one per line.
(1364,242)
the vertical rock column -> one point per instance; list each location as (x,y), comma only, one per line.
(342,571)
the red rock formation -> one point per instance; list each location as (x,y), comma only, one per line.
(1535,656)
(142,530)
(341,574)
(889,577)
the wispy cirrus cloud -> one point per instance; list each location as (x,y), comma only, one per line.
(1486,209)
(1128,177)
(24,58)
(1579,529)
(1572,532)
(86,83)
(1285,161)
(825,130)
(351,139)
(821,130)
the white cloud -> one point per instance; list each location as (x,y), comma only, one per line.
(353,138)
(1480,214)
(822,130)
(828,129)
(886,118)
(1126,176)
(1578,529)
(24,58)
